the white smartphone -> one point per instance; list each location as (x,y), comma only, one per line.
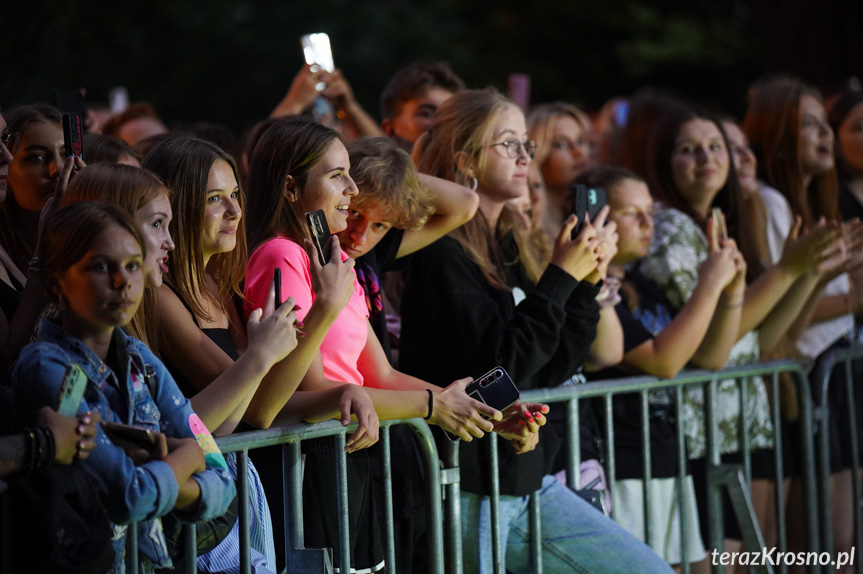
(317,51)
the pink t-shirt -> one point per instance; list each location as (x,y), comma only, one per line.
(346,338)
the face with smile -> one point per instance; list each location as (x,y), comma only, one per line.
(815,144)
(743,157)
(632,210)
(366,226)
(416,115)
(329,187)
(851,138)
(153,220)
(222,212)
(5,160)
(569,154)
(503,177)
(699,163)
(104,288)
(36,166)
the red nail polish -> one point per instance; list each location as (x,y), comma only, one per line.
(300,333)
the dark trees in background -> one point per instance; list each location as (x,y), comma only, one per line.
(230,62)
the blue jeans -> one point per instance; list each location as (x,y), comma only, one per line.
(575,536)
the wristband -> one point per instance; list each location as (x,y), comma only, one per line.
(431,405)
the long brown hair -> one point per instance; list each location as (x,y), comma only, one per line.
(772,125)
(130,188)
(465,123)
(741,223)
(290,146)
(184,165)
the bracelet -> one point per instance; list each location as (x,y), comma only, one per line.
(431,404)
(39,449)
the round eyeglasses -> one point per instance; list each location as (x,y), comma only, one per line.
(513,148)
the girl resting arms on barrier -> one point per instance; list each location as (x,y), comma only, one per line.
(470,303)
(94,268)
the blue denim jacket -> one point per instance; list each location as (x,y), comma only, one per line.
(130,493)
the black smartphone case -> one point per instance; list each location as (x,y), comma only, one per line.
(586,200)
(495,388)
(73,135)
(320,232)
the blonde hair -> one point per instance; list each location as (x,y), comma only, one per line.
(386,176)
(465,124)
(541,122)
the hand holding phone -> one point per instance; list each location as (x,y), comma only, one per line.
(586,200)
(495,389)
(320,233)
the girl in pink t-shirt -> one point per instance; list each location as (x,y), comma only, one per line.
(299,166)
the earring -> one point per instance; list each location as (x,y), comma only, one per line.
(474,184)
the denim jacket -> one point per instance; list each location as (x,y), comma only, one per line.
(130,493)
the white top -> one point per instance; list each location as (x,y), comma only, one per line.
(819,336)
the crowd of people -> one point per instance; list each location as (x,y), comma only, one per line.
(175,269)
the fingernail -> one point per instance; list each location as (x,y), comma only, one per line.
(86,419)
(82,429)
(81,444)
(300,324)
(297,308)
(300,333)
(544,408)
(521,423)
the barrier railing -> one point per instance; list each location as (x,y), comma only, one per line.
(442,473)
(822,380)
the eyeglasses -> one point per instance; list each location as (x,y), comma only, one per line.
(513,148)
(11,141)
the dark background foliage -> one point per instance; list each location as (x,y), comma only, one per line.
(230,62)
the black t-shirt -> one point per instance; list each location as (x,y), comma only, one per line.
(849,205)
(369,269)
(652,314)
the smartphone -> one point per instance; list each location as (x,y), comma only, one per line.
(320,232)
(277,285)
(587,200)
(138,436)
(720,233)
(495,388)
(73,135)
(317,51)
(71,390)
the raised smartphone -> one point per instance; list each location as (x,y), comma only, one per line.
(587,200)
(320,232)
(720,233)
(71,390)
(317,51)
(73,135)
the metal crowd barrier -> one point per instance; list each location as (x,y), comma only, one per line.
(828,366)
(442,472)
(736,480)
